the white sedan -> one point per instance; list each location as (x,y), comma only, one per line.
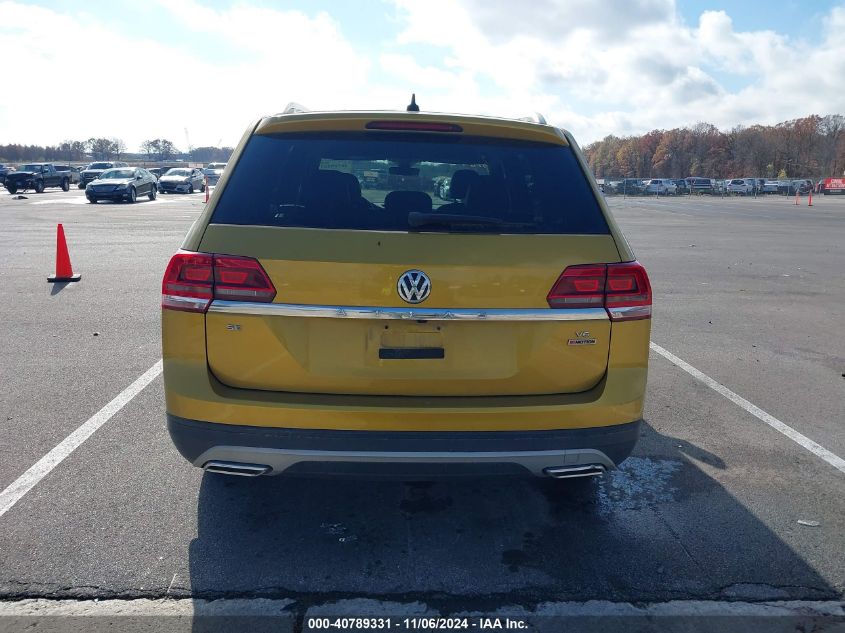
(661,186)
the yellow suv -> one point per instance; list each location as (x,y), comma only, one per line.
(405,293)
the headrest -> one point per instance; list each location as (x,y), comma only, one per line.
(460,182)
(486,196)
(353,185)
(407,201)
(327,187)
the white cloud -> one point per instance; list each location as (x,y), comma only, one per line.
(287,56)
(621,66)
(630,66)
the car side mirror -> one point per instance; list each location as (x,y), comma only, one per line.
(138,177)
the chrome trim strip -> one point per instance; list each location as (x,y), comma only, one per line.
(411,314)
(631,312)
(175,301)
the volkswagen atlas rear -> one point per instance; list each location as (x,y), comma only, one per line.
(337,309)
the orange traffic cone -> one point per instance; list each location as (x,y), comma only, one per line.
(64,272)
(810,201)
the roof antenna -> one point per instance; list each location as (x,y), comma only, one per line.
(413,107)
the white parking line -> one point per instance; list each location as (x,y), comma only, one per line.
(26,482)
(816,449)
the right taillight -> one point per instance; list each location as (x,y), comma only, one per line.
(192,280)
(241,279)
(628,292)
(622,289)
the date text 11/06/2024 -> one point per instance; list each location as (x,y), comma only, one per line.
(413,623)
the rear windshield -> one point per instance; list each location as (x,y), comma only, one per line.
(402,182)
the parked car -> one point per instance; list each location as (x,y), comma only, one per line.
(93,171)
(477,300)
(182,180)
(784,187)
(123,184)
(801,187)
(36,176)
(720,187)
(156,171)
(71,172)
(682,186)
(770,186)
(630,187)
(742,186)
(440,187)
(213,172)
(701,185)
(661,186)
(4,170)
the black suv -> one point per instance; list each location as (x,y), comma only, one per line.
(93,171)
(630,187)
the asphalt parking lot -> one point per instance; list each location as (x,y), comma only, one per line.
(715,504)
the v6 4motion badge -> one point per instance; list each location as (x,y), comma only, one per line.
(583,338)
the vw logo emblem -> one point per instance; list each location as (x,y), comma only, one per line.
(414,286)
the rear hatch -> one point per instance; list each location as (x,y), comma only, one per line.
(344,223)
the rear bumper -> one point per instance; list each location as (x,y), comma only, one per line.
(427,453)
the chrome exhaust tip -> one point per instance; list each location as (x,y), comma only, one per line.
(570,472)
(236,468)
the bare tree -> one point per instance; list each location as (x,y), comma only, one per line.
(166,149)
(101,148)
(151,148)
(117,147)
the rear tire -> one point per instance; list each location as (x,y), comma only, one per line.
(39,186)
(12,189)
(65,185)
(153,192)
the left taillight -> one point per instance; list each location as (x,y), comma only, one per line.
(188,283)
(193,280)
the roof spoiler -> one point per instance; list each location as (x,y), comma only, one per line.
(534,118)
(294,108)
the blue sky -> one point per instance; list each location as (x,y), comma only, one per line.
(597,68)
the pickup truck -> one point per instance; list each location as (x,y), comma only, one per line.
(37,176)
(70,172)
